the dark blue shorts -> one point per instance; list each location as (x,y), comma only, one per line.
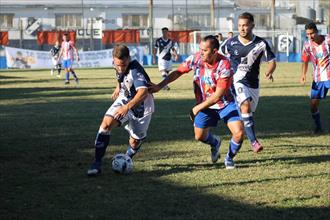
(320,89)
(210,117)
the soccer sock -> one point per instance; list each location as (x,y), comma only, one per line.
(317,119)
(132,151)
(67,76)
(210,140)
(74,74)
(59,71)
(101,144)
(249,126)
(233,149)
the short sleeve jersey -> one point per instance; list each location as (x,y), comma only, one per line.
(67,47)
(134,79)
(245,58)
(319,55)
(208,77)
(164,48)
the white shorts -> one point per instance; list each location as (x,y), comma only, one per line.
(244,93)
(164,65)
(55,62)
(136,127)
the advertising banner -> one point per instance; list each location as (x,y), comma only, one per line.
(34,59)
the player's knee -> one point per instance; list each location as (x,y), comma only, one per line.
(199,137)
(106,123)
(134,143)
(238,135)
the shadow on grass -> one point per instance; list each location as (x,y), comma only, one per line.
(43,163)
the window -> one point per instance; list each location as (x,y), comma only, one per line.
(135,20)
(199,20)
(68,20)
(6,20)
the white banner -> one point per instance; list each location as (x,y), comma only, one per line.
(34,59)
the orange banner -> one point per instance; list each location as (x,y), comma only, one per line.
(120,36)
(4,40)
(50,37)
(180,36)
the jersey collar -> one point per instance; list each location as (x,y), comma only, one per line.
(248,43)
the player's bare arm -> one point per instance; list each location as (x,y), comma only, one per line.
(304,68)
(76,51)
(270,70)
(154,56)
(141,94)
(213,99)
(115,93)
(170,78)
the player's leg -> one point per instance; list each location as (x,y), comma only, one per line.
(319,91)
(163,69)
(66,70)
(101,143)
(247,99)
(103,137)
(137,129)
(58,67)
(203,120)
(231,118)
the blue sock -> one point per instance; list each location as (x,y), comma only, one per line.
(249,126)
(233,148)
(74,74)
(317,119)
(132,151)
(210,140)
(101,144)
(67,76)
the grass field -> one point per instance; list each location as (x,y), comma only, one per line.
(47,135)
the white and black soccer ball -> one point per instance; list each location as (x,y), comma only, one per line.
(123,164)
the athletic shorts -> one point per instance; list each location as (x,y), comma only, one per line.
(136,127)
(164,65)
(320,89)
(67,63)
(210,117)
(243,93)
(55,61)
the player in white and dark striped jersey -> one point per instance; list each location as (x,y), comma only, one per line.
(245,52)
(133,106)
(164,47)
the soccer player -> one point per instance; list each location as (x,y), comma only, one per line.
(212,81)
(66,52)
(55,51)
(163,48)
(133,105)
(245,52)
(316,49)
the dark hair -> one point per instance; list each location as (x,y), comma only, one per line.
(246,15)
(311,25)
(214,43)
(220,34)
(164,29)
(121,52)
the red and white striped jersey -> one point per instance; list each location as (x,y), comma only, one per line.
(319,55)
(67,47)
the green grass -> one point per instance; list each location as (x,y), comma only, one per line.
(47,132)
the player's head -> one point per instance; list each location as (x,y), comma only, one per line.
(65,37)
(121,58)
(57,43)
(165,32)
(245,24)
(230,34)
(209,47)
(311,31)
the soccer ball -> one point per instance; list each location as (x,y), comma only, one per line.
(121,163)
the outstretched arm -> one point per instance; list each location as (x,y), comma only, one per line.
(170,78)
